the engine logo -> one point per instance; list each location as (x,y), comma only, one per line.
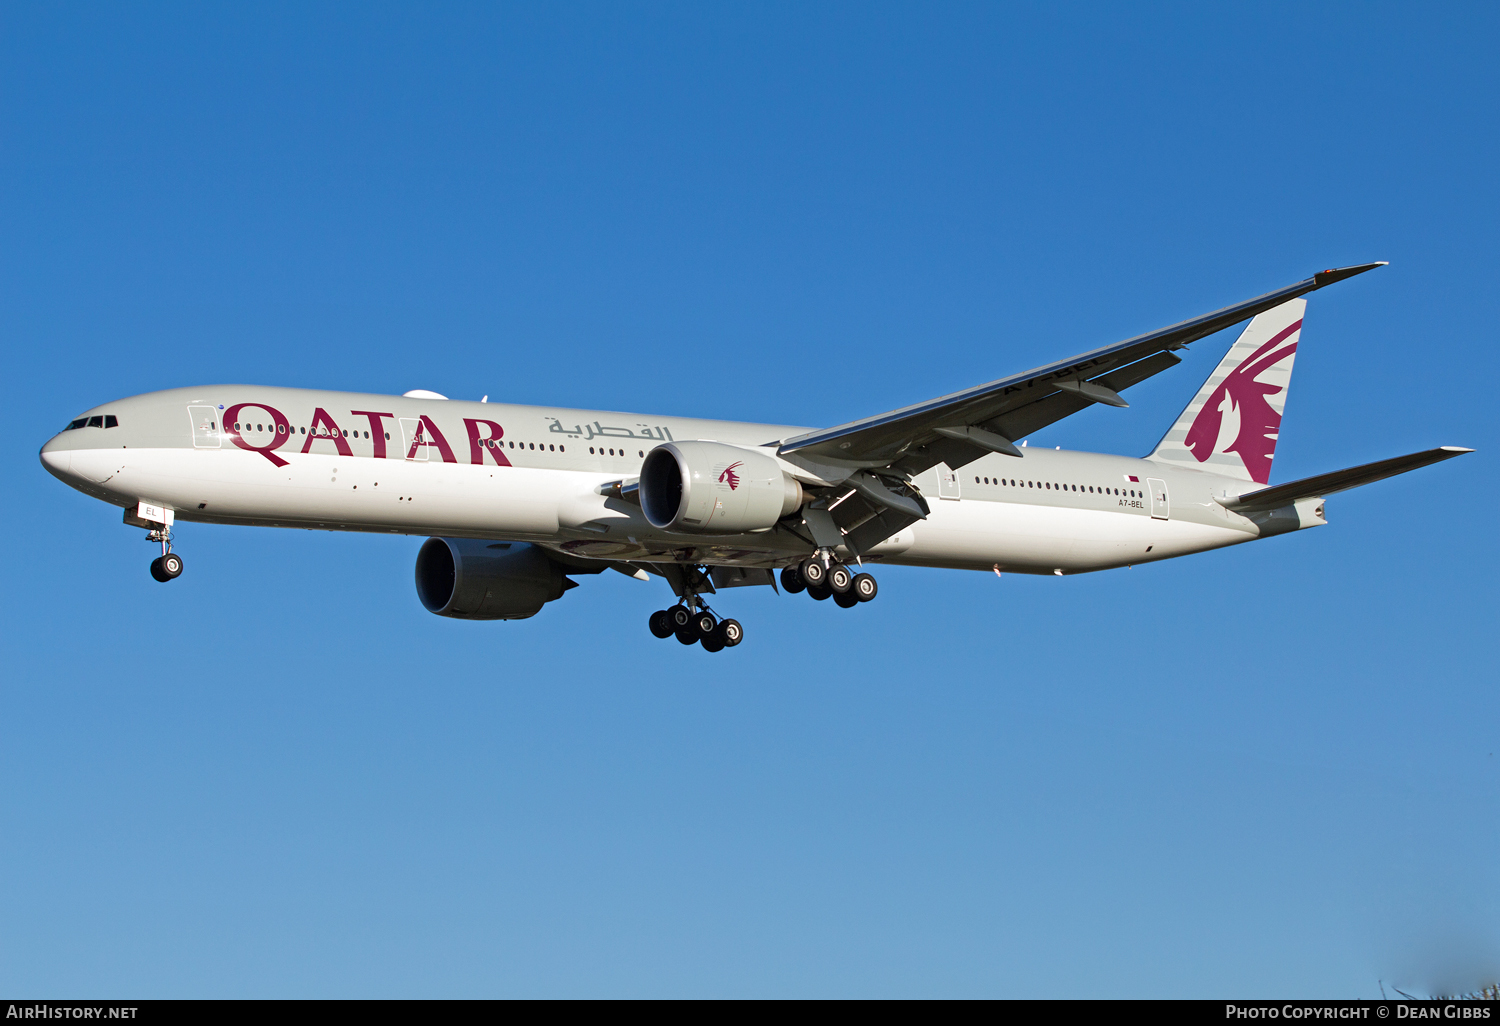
(729,477)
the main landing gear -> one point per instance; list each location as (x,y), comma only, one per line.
(697,626)
(168,565)
(691,622)
(823,579)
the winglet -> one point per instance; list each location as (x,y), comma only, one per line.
(1334,274)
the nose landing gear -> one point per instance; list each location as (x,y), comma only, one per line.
(157,520)
(168,565)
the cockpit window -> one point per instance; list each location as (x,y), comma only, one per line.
(107,421)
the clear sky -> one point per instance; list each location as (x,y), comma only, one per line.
(1263,771)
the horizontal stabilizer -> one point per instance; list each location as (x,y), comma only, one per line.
(1337,481)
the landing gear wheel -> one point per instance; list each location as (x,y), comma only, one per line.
(818,593)
(679,616)
(730,633)
(864,587)
(704,624)
(713,643)
(661,624)
(165,568)
(687,636)
(814,574)
(846,599)
(791,580)
(840,577)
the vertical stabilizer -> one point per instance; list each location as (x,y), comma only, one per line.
(1232,424)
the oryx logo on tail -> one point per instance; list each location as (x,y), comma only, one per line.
(1242,396)
(1232,425)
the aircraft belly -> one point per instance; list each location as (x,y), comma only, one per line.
(1041,539)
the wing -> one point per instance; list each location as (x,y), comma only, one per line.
(959,428)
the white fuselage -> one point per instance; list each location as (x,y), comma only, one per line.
(303,458)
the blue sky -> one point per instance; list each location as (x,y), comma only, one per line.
(1263,771)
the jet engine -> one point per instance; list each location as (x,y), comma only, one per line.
(480,580)
(711,487)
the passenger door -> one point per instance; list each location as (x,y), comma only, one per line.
(415,444)
(205,427)
(1161,507)
(947,482)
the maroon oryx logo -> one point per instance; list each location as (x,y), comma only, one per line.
(1259,423)
(729,477)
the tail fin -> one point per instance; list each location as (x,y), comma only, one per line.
(1232,424)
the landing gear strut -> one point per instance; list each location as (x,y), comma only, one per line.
(168,565)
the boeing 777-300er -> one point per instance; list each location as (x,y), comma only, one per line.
(520,499)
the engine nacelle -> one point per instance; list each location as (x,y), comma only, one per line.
(480,580)
(711,487)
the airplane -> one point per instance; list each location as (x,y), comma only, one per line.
(519,500)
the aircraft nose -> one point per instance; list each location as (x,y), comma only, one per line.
(57,460)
